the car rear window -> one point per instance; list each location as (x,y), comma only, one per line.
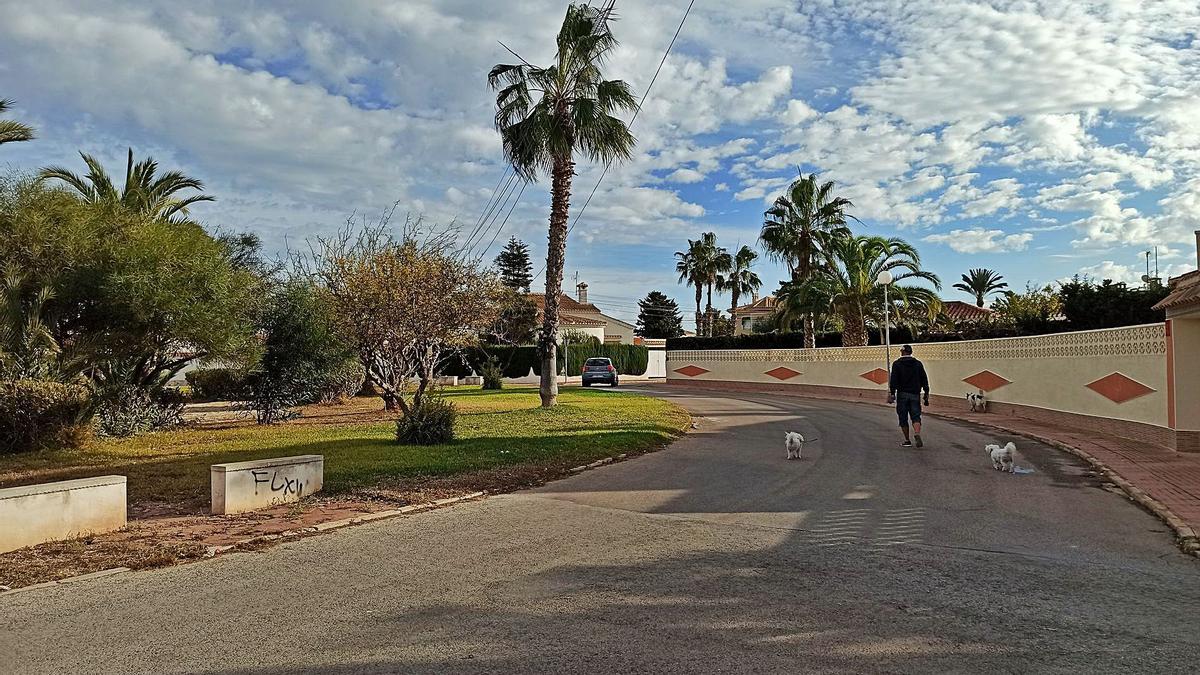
(596,362)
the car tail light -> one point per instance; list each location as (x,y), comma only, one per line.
(583,370)
(611,369)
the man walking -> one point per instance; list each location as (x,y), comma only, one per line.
(908,380)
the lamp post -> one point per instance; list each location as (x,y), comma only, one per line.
(885,279)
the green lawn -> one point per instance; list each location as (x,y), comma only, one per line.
(495,429)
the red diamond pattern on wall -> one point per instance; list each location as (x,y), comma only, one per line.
(878,376)
(782,373)
(986,380)
(1118,388)
(691,371)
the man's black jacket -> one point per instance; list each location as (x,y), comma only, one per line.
(908,375)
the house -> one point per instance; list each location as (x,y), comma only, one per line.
(962,313)
(758,311)
(580,315)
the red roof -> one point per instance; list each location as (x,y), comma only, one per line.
(964,312)
(1185,290)
(763,305)
(565,303)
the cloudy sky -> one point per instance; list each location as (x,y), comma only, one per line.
(1038,138)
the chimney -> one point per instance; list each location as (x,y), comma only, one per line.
(753,297)
(1197,233)
(581,292)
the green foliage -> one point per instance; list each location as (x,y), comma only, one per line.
(1088,305)
(144,192)
(12,131)
(126,410)
(658,317)
(627,359)
(517,320)
(342,382)
(1036,310)
(218,384)
(430,424)
(739,279)
(981,283)
(302,349)
(702,266)
(493,374)
(516,272)
(38,414)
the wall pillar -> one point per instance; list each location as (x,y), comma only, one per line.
(1183,380)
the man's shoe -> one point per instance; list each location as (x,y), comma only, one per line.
(919,443)
(906,444)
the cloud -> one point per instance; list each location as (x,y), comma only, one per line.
(979,240)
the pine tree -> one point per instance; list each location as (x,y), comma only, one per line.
(659,317)
(516,272)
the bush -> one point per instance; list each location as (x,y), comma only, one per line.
(36,414)
(627,359)
(341,383)
(129,410)
(218,384)
(431,424)
(272,400)
(493,375)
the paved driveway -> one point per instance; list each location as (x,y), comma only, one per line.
(716,555)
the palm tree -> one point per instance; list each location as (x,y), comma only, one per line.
(714,261)
(10,130)
(846,284)
(981,283)
(690,266)
(143,192)
(740,279)
(800,227)
(27,346)
(546,114)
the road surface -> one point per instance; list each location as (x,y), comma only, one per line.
(716,555)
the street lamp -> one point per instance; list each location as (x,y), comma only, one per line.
(885,279)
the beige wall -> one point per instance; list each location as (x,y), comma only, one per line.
(1186,333)
(246,486)
(1046,371)
(50,511)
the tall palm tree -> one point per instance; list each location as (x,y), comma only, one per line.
(714,261)
(800,227)
(688,265)
(547,114)
(143,192)
(981,283)
(846,284)
(12,131)
(740,279)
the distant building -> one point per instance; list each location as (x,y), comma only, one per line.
(964,312)
(580,315)
(757,311)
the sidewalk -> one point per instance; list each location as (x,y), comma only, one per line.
(1160,479)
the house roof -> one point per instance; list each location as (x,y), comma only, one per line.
(959,311)
(1185,290)
(763,305)
(565,303)
(574,320)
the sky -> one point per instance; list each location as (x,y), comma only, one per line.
(1041,139)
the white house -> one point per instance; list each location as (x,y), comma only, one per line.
(580,315)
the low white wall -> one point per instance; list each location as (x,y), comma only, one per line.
(34,514)
(1126,368)
(656,365)
(246,486)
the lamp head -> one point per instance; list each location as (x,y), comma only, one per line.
(884,278)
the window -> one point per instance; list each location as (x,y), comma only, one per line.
(746,323)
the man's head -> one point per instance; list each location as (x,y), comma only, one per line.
(906,350)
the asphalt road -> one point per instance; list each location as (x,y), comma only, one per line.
(716,555)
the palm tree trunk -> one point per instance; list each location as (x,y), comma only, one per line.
(708,317)
(854,331)
(699,297)
(733,306)
(979,299)
(810,331)
(556,253)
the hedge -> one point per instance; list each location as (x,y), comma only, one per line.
(36,414)
(899,336)
(218,384)
(518,361)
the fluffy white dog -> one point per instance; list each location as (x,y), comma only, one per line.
(978,402)
(1002,456)
(794,443)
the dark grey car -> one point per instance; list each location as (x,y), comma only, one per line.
(600,369)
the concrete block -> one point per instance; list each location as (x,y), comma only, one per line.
(34,514)
(471,380)
(246,486)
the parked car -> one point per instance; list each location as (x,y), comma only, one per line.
(600,369)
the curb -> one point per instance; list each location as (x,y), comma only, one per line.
(345,522)
(69,580)
(1185,536)
(599,463)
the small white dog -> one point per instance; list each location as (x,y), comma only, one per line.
(978,402)
(1002,456)
(794,443)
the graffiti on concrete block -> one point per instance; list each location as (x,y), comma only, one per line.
(278,483)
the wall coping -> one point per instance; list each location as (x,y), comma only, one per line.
(60,486)
(266,463)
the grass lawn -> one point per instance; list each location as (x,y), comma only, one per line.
(494,430)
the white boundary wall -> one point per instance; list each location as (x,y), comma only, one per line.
(34,514)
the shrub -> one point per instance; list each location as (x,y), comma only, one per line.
(304,357)
(493,375)
(129,410)
(218,384)
(431,424)
(36,414)
(341,383)
(272,400)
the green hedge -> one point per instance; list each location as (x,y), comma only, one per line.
(518,361)
(218,384)
(36,414)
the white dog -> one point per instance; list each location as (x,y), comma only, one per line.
(794,443)
(1002,456)
(978,402)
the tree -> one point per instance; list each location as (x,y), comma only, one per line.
(28,350)
(547,114)
(845,284)
(143,192)
(981,283)
(12,131)
(1033,311)
(516,323)
(1089,305)
(801,227)
(715,261)
(516,272)
(658,317)
(404,303)
(689,265)
(740,279)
